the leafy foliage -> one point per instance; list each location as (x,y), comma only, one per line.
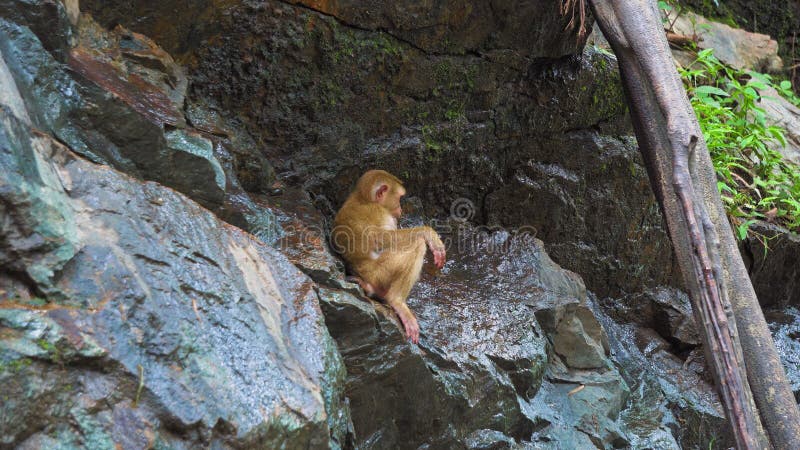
(754,179)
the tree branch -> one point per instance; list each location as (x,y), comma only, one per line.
(684,182)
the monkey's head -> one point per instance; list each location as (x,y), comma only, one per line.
(383,188)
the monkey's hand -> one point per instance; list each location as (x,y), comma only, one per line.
(437,248)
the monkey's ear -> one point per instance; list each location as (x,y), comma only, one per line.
(379,192)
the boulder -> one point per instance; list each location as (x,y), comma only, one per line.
(111,102)
(130,317)
(780,112)
(667,311)
(510,355)
(735,47)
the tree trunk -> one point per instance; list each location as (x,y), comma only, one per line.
(684,182)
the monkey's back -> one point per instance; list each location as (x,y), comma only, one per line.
(352,230)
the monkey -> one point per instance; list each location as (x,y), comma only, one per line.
(387,261)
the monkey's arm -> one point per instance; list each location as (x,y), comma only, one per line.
(404,239)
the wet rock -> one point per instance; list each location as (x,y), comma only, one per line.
(32,250)
(199,174)
(666,310)
(484,374)
(53,21)
(10,96)
(134,69)
(490,440)
(177,25)
(772,256)
(512,355)
(325,101)
(784,323)
(479,357)
(616,245)
(733,46)
(670,407)
(113,103)
(583,407)
(530,30)
(135,318)
(303,236)
(579,340)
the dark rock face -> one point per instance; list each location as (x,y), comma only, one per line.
(52,20)
(784,323)
(533,29)
(131,316)
(666,311)
(615,244)
(442,27)
(497,125)
(772,257)
(668,403)
(179,26)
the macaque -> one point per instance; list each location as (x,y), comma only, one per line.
(386,260)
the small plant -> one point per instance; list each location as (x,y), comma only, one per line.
(754,180)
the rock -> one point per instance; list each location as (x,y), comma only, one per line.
(132,317)
(198,173)
(617,246)
(735,47)
(589,403)
(324,101)
(177,25)
(666,310)
(10,96)
(112,107)
(771,255)
(669,406)
(780,112)
(529,31)
(53,21)
(784,323)
(579,339)
(303,237)
(482,374)
(134,69)
(490,440)
(482,117)
(780,21)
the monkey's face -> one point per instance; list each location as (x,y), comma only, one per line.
(388,195)
(393,203)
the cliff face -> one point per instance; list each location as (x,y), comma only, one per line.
(168,171)
(490,102)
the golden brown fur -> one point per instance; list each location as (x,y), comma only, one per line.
(387,260)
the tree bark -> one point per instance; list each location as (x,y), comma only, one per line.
(684,181)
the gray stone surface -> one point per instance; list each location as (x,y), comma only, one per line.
(733,46)
(132,317)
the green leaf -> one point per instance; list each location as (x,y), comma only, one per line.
(741,230)
(710,90)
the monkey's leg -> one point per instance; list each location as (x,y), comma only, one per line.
(407,267)
(369,289)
